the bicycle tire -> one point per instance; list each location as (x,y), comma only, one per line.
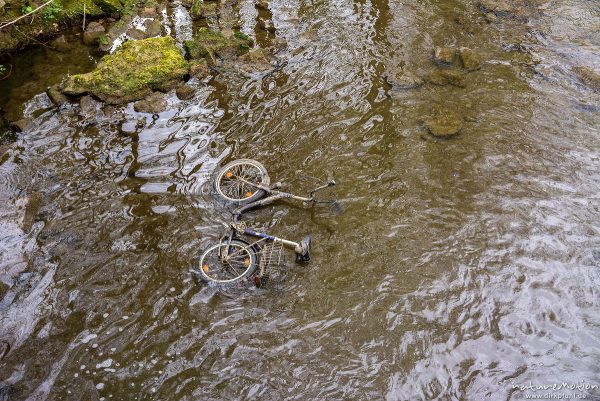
(249,257)
(243,193)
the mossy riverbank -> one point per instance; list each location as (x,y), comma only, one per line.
(49,18)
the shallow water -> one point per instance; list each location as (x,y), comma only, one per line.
(457,269)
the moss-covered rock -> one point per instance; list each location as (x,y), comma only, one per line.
(109,6)
(211,44)
(133,72)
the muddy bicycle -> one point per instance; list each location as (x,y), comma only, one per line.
(246,184)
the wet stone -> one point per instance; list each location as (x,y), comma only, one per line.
(56,96)
(185,92)
(444,124)
(199,69)
(22,125)
(266,25)
(92,33)
(471,61)
(148,12)
(444,55)
(153,104)
(262,4)
(112,113)
(153,28)
(60,44)
(88,106)
(136,34)
(404,80)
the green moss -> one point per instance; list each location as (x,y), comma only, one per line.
(242,36)
(135,70)
(211,44)
(103,40)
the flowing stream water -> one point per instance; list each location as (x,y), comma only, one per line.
(456,270)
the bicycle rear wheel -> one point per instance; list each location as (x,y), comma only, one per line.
(240,263)
(237,181)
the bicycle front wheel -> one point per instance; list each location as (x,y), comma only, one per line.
(237,181)
(226,264)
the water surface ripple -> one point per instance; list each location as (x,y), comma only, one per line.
(456,269)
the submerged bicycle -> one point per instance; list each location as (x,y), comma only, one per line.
(245,183)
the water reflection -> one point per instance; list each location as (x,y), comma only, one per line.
(457,268)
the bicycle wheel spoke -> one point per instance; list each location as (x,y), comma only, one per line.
(241,181)
(230,268)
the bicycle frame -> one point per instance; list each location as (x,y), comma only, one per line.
(274,195)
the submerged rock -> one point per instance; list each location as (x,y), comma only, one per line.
(444,124)
(404,80)
(60,44)
(588,76)
(211,44)
(517,9)
(92,33)
(470,60)
(444,55)
(88,106)
(443,77)
(255,60)
(132,72)
(153,104)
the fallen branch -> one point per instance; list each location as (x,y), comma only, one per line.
(25,15)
